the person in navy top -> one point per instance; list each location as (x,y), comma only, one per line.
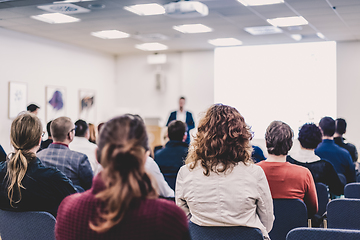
(328,150)
(183,116)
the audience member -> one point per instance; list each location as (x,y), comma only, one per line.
(172,157)
(74,165)
(100,127)
(2,154)
(257,154)
(340,130)
(339,157)
(183,116)
(122,202)
(322,171)
(82,144)
(33,108)
(47,142)
(92,131)
(287,180)
(25,183)
(220,185)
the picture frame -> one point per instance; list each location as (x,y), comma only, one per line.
(56,104)
(87,105)
(17,98)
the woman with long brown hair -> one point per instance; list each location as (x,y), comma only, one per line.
(26,184)
(220,185)
(123,201)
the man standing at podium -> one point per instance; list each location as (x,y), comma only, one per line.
(184,116)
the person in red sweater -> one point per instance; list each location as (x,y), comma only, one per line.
(122,202)
(287,180)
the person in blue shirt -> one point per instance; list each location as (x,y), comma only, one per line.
(328,150)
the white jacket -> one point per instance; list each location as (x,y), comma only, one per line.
(238,198)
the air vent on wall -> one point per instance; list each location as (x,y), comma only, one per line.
(67,8)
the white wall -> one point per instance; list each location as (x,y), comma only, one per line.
(348,88)
(185,74)
(40,63)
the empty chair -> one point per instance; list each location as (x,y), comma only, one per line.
(352,190)
(323,199)
(229,233)
(343,214)
(322,234)
(289,214)
(27,225)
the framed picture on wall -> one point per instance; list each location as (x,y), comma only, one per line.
(87,102)
(55,102)
(17,98)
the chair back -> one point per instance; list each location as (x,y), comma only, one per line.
(289,214)
(352,190)
(27,225)
(221,233)
(321,233)
(344,214)
(323,197)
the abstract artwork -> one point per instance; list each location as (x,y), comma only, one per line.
(87,106)
(55,102)
(17,98)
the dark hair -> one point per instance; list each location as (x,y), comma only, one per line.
(122,146)
(340,125)
(48,128)
(310,136)
(32,107)
(327,125)
(222,140)
(176,130)
(81,128)
(182,98)
(279,138)
(100,127)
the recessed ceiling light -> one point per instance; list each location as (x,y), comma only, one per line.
(263,30)
(192,28)
(259,2)
(320,35)
(110,34)
(146,9)
(223,42)
(151,46)
(288,21)
(296,37)
(55,18)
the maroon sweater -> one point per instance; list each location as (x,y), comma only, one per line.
(146,219)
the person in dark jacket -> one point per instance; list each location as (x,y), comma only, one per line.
(172,157)
(340,130)
(2,154)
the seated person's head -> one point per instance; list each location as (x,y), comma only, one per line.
(177,130)
(82,129)
(48,129)
(310,136)
(222,140)
(33,108)
(122,150)
(279,138)
(327,126)
(340,126)
(62,130)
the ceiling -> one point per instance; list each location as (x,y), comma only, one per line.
(337,20)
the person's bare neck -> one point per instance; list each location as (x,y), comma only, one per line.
(337,135)
(328,138)
(275,158)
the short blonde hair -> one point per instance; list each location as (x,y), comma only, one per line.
(60,128)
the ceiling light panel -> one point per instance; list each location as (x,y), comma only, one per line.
(259,2)
(151,46)
(288,21)
(192,28)
(110,34)
(263,30)
(146,9)
(223,42)
(55,18)
(296,37)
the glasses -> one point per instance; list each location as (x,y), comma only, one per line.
(72,130)
(43,133)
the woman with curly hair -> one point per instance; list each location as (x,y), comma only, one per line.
(220,185)
(123,202)
(310,137)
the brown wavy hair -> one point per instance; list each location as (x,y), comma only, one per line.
(122,148)
(25,134)
(222,140)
